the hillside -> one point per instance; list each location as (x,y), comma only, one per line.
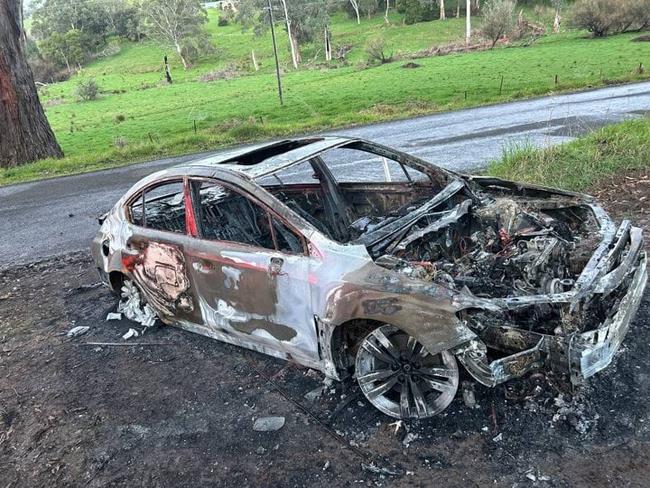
(139,116)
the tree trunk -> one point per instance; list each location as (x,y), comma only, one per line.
(468,22)
(355,7)
(443,16)
(179,50)
(293,44)
(557,21)
(295,50)
(25,134)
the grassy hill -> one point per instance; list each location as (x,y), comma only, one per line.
(139,116)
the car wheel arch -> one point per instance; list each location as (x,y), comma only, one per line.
(436,327)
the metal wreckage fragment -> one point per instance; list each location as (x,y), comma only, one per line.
(132,307)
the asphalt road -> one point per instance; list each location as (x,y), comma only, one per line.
(51,217)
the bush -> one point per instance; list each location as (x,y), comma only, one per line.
(600,17)
(637,14)
(498,19)
(604,17)
(87,89)
(416,10)
(376,51)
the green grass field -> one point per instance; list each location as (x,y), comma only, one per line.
(138,116)
(580,164)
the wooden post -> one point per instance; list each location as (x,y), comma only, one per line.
(168,74)
(501,85)
(255,66)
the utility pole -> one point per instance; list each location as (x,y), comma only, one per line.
(275,53)
(468,22)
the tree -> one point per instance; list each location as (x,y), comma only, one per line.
(87,16)
(304,21)
(498,19)
(26,133)
(66,50)
(178,24)
(416,10)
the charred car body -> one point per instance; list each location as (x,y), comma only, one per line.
(355,259)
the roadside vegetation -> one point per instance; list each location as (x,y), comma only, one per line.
(118,105)
(582,163)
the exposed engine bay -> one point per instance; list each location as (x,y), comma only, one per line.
(495,246)
(491,243)
(504,248)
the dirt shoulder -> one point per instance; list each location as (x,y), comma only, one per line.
(178,409)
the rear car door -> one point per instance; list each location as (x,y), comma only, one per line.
(250,272)
(154,254)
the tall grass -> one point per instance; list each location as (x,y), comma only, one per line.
(579,164)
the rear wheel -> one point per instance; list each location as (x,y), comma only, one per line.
(399,376)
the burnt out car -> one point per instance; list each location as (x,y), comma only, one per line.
(356,259)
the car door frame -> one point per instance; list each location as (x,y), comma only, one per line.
(271,337)
(146,247)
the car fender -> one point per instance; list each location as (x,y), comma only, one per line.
(429,319)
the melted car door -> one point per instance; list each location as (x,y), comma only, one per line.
(250,273)
(154,252)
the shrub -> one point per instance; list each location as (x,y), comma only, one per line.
(376,51)
(636,14)
(87,89)
(600,17)
(604,17)
(498,19)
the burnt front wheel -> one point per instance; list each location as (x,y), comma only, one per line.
(399,376)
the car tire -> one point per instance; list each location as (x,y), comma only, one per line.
(401,378)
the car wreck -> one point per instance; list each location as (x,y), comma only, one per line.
(359,260)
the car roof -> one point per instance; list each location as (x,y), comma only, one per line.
(264,159)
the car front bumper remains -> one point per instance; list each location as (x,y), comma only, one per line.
(580,354)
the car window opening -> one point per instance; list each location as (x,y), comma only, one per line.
(343,203)
(164,208)
(225,215)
